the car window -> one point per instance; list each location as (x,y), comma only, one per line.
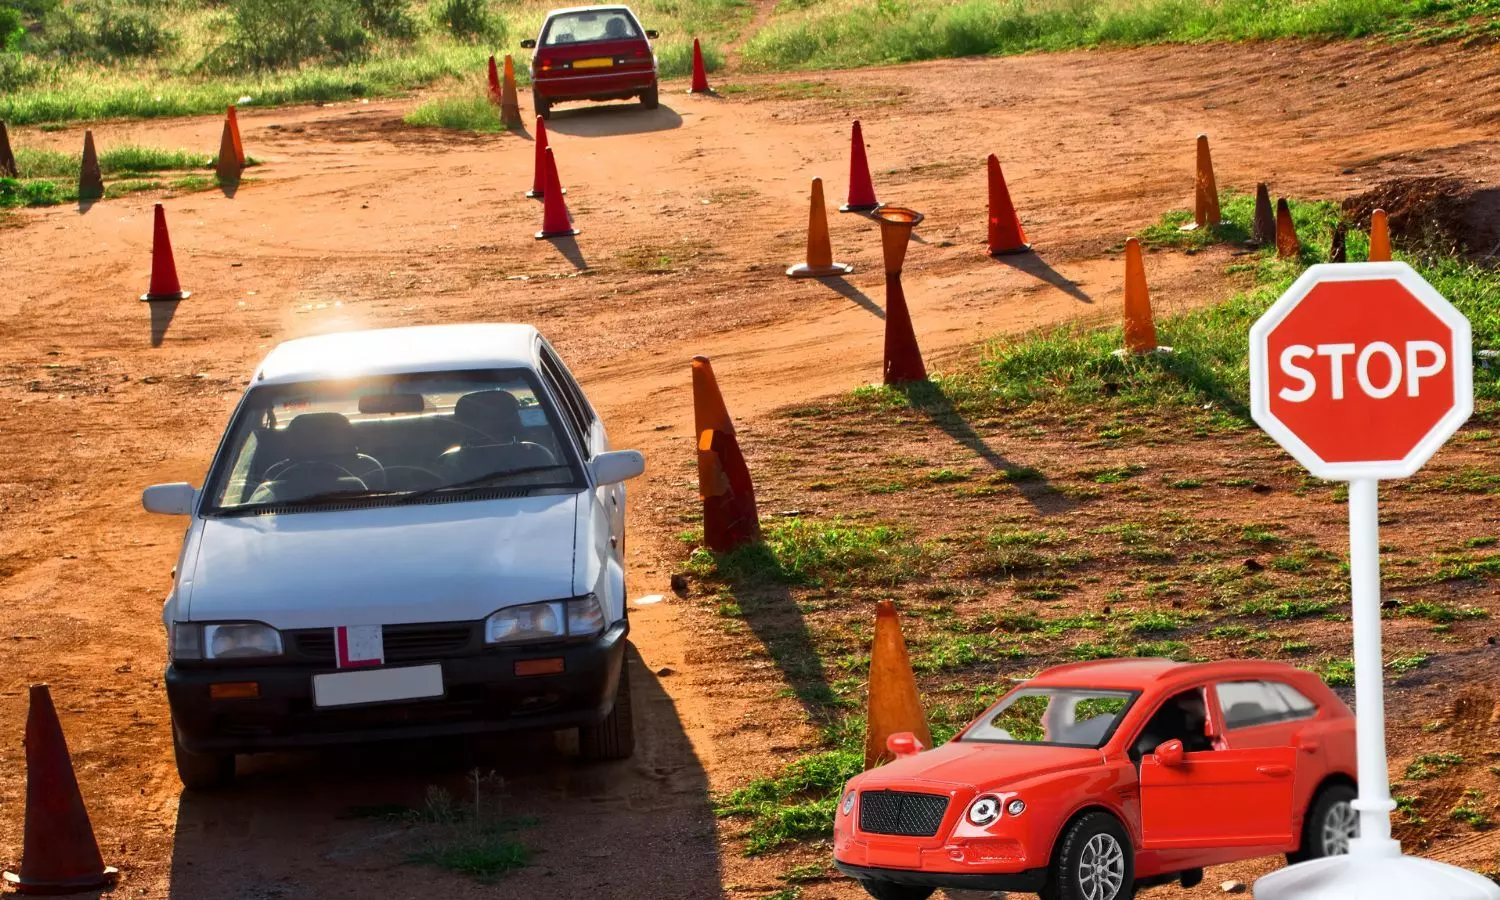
(390,437)
(579,415)
(1181,717)
(1070,717)
(593,25)
(1246,704)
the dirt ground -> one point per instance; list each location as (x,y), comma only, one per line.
(688,217)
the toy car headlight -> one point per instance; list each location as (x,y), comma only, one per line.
(848,804)
(984,810)
(1015,807)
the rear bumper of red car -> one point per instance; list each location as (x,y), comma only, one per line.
(593,85)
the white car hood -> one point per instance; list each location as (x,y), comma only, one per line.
(440,562)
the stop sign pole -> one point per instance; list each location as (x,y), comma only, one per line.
(1361,371)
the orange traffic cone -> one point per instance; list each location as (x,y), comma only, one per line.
(903,358)
(539,170)
(234,130)
(700,74)
(8,166)
(494,79)
(555,219)
(861,186)
(60,854)
(1263,229)
(164,284)
(1140,327)
(1006,235)
(730,518)
(1380,237)
(510,106)
(90,179)
(894,704)
(1287,245)
(1206,191)
(820,262)
(228,166)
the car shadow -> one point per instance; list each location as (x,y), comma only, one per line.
(347,822)
(610,120)
(162,312)
(1036,267)
(931,400)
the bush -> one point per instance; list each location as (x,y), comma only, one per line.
(11,30)
(131,33)
(471,19)
(391,18)
(101,32)
(271,34)
(16,72)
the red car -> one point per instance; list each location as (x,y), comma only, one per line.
(592,53)
(1095,779)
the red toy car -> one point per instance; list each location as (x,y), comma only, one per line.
(592,53)
(1095,779)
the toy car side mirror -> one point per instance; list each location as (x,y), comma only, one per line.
(528,44)
(903,743)
(653,35)
(1169,754)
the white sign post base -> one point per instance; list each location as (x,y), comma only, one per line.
(1374,869)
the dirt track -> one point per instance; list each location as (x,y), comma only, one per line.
(688,216)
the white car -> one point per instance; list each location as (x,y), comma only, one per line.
(406,532)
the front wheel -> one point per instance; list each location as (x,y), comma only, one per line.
(890,890)
(202,771)
(649,99)
(1330,824)
(542,106)
(614,738)
(1093,861)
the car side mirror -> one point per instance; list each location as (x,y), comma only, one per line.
(652,34)
(903,743)
(528,44)
(170,499)
(617,466)
(1169,754)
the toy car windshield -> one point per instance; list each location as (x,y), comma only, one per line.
(1067,717)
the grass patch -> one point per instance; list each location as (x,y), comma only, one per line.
(1431,765)
(798,803)
(459,112)
(484,852)
(806,552)
(50,177)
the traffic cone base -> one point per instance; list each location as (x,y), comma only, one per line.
(1011,251)
(803,270)
(152,298)
(861,208)
(54,887)
(894,704)
(819,262)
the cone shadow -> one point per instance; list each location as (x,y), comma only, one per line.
(849,291)
(162,312)
(347,818)
(229,184)
(1036,267)
(87,203)
(929,399)
(567,245)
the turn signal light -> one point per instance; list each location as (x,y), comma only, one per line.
(550,666)
(234,690)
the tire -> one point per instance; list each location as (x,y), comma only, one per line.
(202,771)
(1072,876)
(614,738)
(1328,825)
(890,890)
(541,104)
(649,98)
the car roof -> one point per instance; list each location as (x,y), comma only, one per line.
(1145,674)
(601,8)
(397,351)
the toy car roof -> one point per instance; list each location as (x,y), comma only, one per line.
(1142,674)
(397,351)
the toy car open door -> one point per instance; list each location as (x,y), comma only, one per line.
(1217,798)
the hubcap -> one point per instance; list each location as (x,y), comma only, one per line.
(1339,826)
(1101,868)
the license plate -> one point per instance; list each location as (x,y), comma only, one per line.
(377,685)
(602,62)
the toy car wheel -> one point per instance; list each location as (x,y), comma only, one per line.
(1330,823)
(649,98)
(890,890)
(614,738)
(202,771)
(540,104)
(1092,861)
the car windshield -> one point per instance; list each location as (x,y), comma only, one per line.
(591,25)
(402,437)
(1070,717)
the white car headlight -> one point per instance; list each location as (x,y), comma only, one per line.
(579,617)
(225,640)
(1015,807)
(848,806)
(984,810)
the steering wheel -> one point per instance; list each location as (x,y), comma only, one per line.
(282,470)
(277,469)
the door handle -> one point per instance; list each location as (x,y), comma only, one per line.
(1308,746)
(1274,771)
(614,542)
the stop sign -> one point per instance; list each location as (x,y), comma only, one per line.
(1361,370)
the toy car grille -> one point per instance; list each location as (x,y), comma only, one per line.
(901,812)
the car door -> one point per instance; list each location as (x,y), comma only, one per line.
(1218,798)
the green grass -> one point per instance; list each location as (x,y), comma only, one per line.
(50,177)
(483,851)
(798,802)
(867,32)
(1431,765)
(461,112)
(808,552)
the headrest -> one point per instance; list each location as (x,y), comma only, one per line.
(495,413)
(325,434)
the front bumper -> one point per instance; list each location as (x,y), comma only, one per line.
(482,694)
(1029,881)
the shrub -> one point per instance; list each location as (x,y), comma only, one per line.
(391,18)
(130,33)
(471,19)
(271,34)
(16,72)
(102,32)
(11,30)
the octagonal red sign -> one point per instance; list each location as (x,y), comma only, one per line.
(1361,370)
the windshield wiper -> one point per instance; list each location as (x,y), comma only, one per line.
(309,500)
(478,481)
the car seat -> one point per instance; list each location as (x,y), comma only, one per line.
(490,442)
(318,452)
(616,29)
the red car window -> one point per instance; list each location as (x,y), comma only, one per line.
(585,27)
(1247,704)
